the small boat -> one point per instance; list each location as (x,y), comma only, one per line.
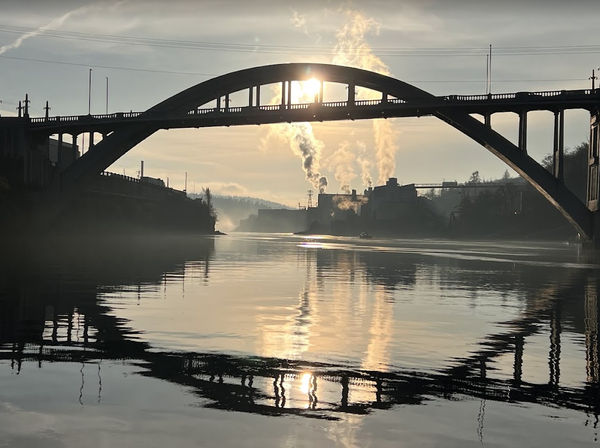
(364,236)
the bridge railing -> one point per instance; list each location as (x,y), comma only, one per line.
(295,106)
(382,102)
(522,95)
(85,118)
(120,176)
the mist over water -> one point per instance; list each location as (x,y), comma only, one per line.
(268,340)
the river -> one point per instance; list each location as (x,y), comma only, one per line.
(272,340)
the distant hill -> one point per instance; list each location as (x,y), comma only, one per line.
(231,209)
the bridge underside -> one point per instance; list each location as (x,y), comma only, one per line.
(180,111)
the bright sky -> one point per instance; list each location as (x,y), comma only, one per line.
(151,50)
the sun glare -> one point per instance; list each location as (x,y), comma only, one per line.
(305,383)
(303,91)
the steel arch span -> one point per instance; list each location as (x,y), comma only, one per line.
(117,143)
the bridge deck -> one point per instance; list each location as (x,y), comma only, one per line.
(334,110)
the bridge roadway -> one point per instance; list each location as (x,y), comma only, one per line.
(484,105)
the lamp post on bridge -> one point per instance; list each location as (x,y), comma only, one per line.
(90,92)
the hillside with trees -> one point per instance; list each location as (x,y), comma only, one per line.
(514,209)
(231,209)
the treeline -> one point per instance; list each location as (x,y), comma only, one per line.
(514,209)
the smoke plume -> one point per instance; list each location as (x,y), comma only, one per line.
(305,145)
(302,141)
(352,50)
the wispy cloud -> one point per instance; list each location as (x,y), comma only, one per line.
(53,24)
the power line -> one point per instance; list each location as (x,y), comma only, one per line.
(208,75)
(108,67)
(314,50)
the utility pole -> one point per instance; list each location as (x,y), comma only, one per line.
(47,109)
(490,70)
(26,107)
(593,78)
(185,184)
(107,95)
(90,92)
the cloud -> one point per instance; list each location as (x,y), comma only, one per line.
(299,21)
(53,24)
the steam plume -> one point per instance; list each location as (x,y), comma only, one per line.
(352,50)
(342,160)
(365,165)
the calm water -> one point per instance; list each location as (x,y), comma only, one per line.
(281,341)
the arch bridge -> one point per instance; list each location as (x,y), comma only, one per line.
(208,104)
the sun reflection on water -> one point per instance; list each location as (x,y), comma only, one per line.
(305,383)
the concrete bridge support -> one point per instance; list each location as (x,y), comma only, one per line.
(523,131)
(593,180)
(559,145)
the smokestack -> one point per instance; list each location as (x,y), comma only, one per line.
(141,169)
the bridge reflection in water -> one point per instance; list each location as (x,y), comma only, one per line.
(49,320)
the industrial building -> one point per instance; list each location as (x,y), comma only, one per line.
(385,208)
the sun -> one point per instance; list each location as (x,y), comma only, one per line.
(306,90)
(311,87)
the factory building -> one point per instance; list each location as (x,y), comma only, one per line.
(390,201)
(385,209)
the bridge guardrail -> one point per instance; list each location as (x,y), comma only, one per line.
(504,96)
(330,104)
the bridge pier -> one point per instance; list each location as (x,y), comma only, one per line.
(74,138)
(523,131)
(487,119)
(59,160)
(593,180)
(559,145)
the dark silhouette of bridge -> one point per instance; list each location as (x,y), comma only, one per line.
(189,108)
